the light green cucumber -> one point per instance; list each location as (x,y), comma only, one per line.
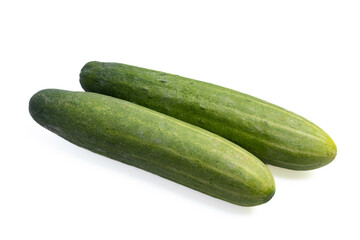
(273,134)
(155,142)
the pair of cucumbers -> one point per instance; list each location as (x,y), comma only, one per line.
(203,136)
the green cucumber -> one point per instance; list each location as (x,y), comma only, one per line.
(155,142)
(273,134)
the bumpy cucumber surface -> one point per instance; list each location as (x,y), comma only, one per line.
(271,133)
(156,143)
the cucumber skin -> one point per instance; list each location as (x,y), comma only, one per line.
(273,134)
(156,143)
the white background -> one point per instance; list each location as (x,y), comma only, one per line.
(301,55)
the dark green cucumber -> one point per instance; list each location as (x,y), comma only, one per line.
(155,142)
(271,133)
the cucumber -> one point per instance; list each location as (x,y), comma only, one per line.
(273,134)
(155,142)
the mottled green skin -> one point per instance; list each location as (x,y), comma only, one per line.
(155,142)
(271,133)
